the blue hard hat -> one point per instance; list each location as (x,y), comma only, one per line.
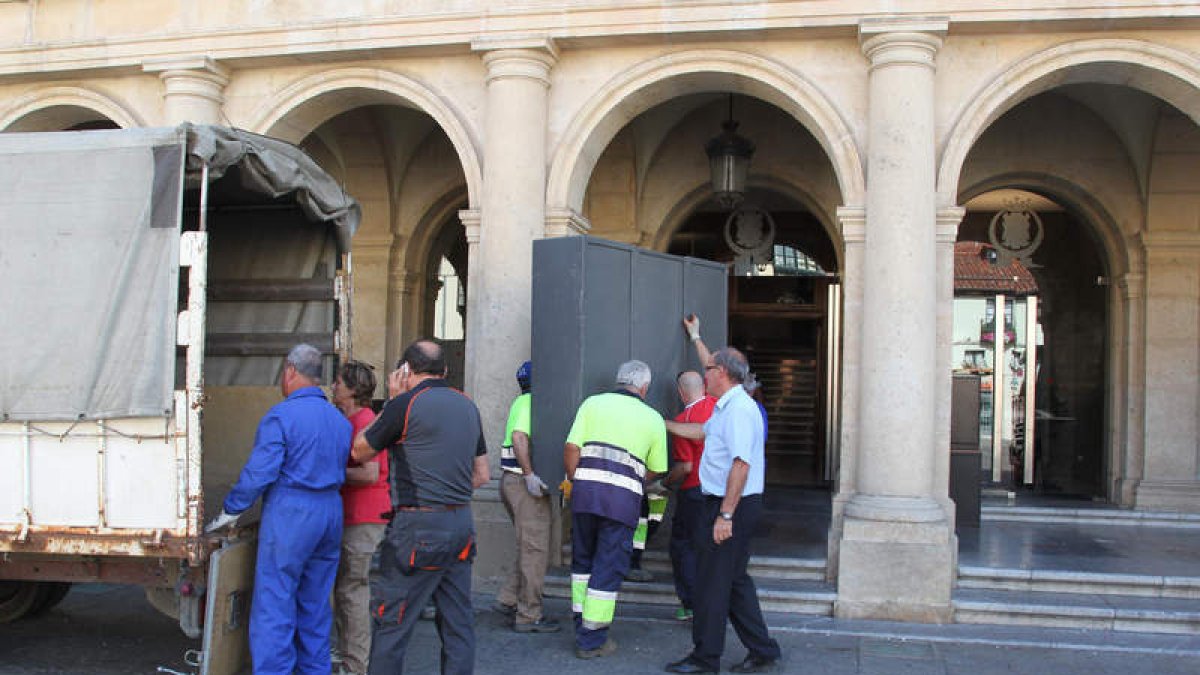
(524,372)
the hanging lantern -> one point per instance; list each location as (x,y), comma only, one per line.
(729,160)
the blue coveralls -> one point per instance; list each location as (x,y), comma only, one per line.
(297,465)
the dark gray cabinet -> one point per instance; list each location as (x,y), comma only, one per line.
(598,303)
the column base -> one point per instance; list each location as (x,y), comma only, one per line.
(896,561)
(1168,495)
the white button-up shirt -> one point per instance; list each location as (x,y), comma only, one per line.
(735,431)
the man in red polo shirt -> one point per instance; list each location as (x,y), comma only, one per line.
(685,473)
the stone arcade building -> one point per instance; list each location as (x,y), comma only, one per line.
(467,129)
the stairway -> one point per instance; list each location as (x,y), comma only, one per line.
(789,585)
(1045,598)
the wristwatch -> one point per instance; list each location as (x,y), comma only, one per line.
(726,515)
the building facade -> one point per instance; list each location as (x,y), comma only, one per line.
(469,128)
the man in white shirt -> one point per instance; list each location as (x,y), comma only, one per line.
(731,479)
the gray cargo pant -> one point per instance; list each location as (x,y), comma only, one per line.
(424,554)
(352,594)
(531,518)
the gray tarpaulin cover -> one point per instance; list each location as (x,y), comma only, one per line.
(89,246)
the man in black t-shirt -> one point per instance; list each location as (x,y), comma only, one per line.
(438,458)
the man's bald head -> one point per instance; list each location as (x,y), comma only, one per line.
(691,386)
(425,357)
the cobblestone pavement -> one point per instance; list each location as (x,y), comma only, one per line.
(103,630)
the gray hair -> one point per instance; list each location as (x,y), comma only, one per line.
(634,374)
(306,359)
(751,383)
(691,383)
(733,362)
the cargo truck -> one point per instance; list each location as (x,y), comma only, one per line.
(153,280)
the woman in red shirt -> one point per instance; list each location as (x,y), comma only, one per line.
(365,498)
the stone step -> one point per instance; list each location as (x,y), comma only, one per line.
(760,567)
(1072,610)
(1089,516)
(1088,583)
(795,597)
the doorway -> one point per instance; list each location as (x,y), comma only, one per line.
(780,315)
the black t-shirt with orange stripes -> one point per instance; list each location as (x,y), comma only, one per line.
(433,435)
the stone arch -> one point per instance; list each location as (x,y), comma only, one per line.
(688,203)
(21,114)
(1119,256)
(294,112)
(1166,73)
(656,81)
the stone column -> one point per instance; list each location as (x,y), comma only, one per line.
(853,220)
(195,89)
(1132,348)
(897,548)
(948,219)
(1171,466)
(512,215)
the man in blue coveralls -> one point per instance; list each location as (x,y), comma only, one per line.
(297,465)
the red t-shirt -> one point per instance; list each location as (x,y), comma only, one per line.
(687,450)
(364,503)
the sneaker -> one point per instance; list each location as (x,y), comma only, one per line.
(542,625)
(607,649)
(683,614)
(429,613)
(501,608)
(638,575)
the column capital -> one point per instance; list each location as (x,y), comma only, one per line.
(565,222)
(901,41)
(404,282)
(522,57)
(948,219)
(471,218)
(854,223)
(204,68)
(1171,244)
(1132,285)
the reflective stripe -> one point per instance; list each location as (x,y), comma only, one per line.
(599,608)
(640,533)
(608,478)
(579,584)
(658,507)
(613,454)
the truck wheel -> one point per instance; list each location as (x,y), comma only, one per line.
(18,598)
(53,593)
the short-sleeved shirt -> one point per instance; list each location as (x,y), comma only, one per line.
(735,431)
(620,438)
(688,449)
(518,420)
(433,435)
(366,503)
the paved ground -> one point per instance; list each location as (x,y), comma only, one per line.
(106,630)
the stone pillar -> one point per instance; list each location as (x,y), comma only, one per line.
(195,89)
(948,219)
(853,220)
(371,326)
(1171,466)
(512,215)
(1132,348)
(897,547)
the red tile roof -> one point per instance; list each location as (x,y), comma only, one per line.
(974,274)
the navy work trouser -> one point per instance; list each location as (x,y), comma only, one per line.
(299,541)
(688,504)
(423,555)
(600,550)
(724,590)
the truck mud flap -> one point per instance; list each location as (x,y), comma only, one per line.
(227,615)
